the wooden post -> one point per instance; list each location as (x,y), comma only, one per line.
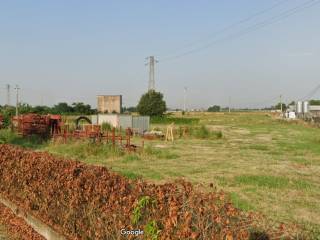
(169,133)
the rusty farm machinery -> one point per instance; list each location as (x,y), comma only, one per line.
(52,126)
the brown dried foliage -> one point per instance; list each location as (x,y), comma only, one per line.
(90,202)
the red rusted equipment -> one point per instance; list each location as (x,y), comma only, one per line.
(35,124)
(94,133)
(52,126)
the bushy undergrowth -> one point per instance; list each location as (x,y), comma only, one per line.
(9,137)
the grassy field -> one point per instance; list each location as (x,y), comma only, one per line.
(266,165)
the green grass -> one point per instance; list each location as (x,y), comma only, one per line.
(202,132)
(160,153)
(84,150)
(241,203)
(130,158)
(275,182)
(129,174)
(9,137)
(175,120)
(263,181)
(258,147)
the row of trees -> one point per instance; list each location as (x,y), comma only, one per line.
(278,106)
(60,108)
(151,103)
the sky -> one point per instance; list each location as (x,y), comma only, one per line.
(71,51)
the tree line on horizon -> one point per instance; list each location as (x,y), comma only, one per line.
(151,103)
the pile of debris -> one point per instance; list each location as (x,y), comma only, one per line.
(89,202)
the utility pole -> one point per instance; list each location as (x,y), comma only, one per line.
(185,99)
(229,104)
(8,94)
(151,64)
(281,103)
(17,99)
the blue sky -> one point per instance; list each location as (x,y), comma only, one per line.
(74,50)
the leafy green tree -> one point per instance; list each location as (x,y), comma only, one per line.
(81,108)
(214,108)
(152,104)
(314,102)
(41,109)
(62,108)
(278,106)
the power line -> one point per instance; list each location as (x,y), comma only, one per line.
(311,93)
(253,28)
(233,25)
(257,103)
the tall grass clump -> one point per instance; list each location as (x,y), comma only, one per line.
(106,127)
(203,132)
